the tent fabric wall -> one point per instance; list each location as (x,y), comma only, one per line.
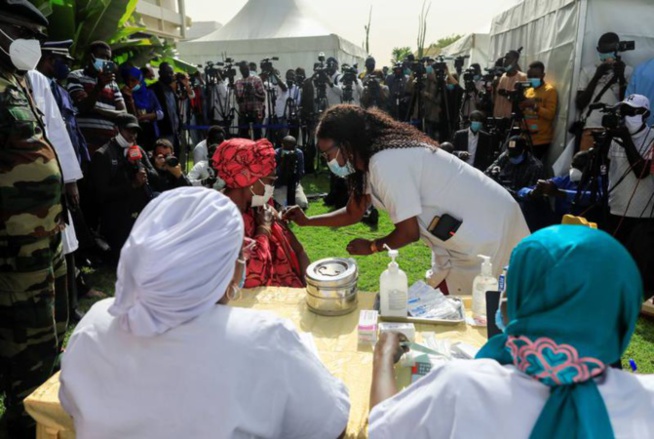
(475,45)
(563,34)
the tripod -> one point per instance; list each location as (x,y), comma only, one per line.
(271,92)
(595,177)
(416,102)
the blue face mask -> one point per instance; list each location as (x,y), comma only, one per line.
(137,87)
(517,160)
(99,63)
(450,87)
(475,126)
(61,70)
(536,82)
(340,171)
(606,56)
(499,320)
(476,78)
(430,70)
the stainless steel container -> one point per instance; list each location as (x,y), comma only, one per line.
(332,286)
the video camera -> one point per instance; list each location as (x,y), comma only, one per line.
(613,118)
(418,66)
(267,65)
(518,93)
(458,63)
(349,76)
(228,71)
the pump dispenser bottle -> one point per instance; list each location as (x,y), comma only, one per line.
(393,288)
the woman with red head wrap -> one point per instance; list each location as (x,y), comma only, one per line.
(248,170)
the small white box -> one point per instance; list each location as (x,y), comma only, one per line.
(367,329)
(408,329)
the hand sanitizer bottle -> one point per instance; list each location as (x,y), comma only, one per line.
(482,283)
(393,288)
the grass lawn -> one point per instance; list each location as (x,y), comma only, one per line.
(414,260)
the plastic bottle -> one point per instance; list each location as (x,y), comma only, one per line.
(393,288)
(482,283)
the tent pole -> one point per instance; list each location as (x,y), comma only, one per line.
(578,62)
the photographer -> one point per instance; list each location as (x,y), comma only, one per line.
(603,83)
(398,90)
(217,91)
(290,170)
(370,68)
(97,96)
(539,107)
(375,93)
(203,172)
(250,97)
(516,167)
(142,103)
(289,102)
(169,171)
(473,86)
(215,136)
(631,184)
(334,91)
(351,85)
(474,145)
(503,104)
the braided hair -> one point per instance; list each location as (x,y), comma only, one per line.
(362,133)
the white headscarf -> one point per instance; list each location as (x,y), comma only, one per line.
(178,261)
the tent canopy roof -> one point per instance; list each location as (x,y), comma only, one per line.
(267,19)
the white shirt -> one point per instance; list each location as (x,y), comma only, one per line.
(642,203)
(200,152)
(218,101)
(482,399)
(230,373)
(473,141)
(418,182)
(202,171)
(293,93)
(610,97)
(334,94)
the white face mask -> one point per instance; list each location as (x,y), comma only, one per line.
(575,175)
(24,54)
(262,200)
(123,142)
(633,123)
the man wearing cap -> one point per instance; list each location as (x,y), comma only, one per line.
(604,82)
(96,96)
(120,173)
(32,266)
(504,105)
(55,65)
(631,184)
(516,167)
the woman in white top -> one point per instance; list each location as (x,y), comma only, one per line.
(430,194)
(168,359)
(572,301)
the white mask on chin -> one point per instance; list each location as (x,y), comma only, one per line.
(262,200)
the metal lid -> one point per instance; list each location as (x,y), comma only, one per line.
(332,272)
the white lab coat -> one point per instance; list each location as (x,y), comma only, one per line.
(422,183)
(229,373)
(482,399)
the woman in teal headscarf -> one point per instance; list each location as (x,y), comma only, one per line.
(573,299)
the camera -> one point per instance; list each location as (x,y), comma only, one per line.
(459,61)
(625,46)
(109,66)
(172,161)
(267,65)
(613,118)
(228,70)
(349,76)
(212,73)
(518,93)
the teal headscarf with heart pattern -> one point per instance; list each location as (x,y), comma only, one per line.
(574,295)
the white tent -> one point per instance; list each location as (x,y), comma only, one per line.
(266,28)
(475,46)
(563,35)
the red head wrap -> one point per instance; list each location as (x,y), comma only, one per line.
(241,162)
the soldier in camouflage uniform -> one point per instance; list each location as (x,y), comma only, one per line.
(32,266)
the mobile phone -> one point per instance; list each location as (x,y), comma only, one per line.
(444,227)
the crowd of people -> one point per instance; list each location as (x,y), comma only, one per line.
(95,164)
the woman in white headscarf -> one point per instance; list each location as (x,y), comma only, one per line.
(168,359)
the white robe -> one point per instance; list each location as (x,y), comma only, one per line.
(57,134)
(230,373)
(482,399)
(418,182)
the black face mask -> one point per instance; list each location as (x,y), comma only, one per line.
(166,79)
